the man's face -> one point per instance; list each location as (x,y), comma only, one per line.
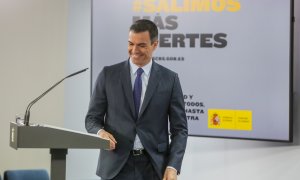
(140,48)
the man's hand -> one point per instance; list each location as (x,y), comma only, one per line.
(106,135)
(170,174)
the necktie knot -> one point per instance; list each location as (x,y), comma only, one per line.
(139,71)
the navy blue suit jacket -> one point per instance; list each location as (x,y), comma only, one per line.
(112,108)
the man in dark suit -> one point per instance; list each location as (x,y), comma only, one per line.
(132,104)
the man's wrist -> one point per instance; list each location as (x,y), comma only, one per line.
(99,131)
(170,167)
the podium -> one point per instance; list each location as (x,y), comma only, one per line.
(58,140)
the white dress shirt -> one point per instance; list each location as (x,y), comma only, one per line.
(145,77)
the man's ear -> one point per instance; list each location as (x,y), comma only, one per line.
(155,44)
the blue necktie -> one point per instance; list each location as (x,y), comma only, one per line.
(137,91)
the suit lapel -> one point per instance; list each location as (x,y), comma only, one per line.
(127,87)
(151,87)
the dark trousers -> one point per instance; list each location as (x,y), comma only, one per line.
(137,168)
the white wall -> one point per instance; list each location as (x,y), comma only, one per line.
(32,58)
(80,163)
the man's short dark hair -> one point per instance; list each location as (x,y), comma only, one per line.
(143,25)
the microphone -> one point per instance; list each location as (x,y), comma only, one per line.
(27,113)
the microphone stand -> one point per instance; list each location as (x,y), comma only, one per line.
(27,113)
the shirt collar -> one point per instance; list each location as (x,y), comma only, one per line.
(146,68)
